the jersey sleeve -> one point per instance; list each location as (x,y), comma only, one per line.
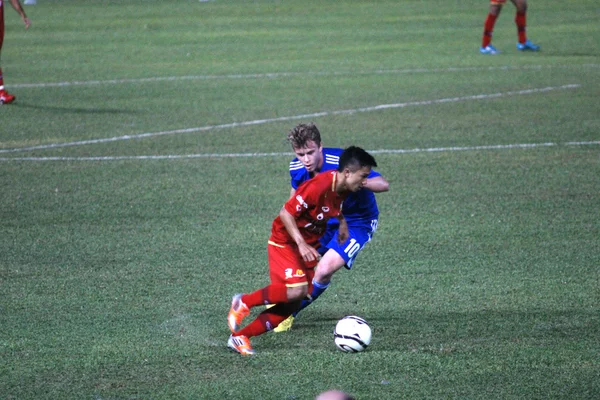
(373,174)
(297,173)
(302,199)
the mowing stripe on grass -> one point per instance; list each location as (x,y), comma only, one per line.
(289,154)
(291,118)
(275,75)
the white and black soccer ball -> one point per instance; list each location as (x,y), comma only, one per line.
(352,334)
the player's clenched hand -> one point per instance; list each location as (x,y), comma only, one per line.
(308,253)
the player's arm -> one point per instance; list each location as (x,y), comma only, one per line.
(17,6)
(377,184)
(307,252)
(343,232)
(292,192)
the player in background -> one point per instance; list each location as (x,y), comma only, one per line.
(292,247)
(5,97)
(523,44)
(360,209)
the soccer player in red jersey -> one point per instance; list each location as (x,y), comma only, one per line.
(5,97)
(523,44)
(292,247)
(360,210)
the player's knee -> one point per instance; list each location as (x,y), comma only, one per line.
(324,272)
(329,264)
(521,5)
(495,9)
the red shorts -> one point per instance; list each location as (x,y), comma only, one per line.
(287,267)
(498,2)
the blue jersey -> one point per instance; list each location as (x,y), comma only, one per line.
(359,207)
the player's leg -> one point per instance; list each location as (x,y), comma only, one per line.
(267,320)
(288,286)
(523,43)
(5,97)
(337,256)
(488,27)
(329,264)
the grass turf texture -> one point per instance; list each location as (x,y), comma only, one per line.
(116,276)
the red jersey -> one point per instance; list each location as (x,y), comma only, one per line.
(313,204)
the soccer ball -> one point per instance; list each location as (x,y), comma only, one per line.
(352,334)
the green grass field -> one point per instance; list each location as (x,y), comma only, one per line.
(144,161)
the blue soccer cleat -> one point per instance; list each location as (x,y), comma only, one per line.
(527,46)
(489,49)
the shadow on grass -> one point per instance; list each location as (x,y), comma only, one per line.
(416,330)
(75,110)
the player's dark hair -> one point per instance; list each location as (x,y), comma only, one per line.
(354,158)
(302,134)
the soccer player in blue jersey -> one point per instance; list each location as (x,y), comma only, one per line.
(359,209)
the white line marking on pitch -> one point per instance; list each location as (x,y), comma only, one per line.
(275,75)
(290,118)
(288,154)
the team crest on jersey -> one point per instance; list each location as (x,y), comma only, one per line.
(301,201)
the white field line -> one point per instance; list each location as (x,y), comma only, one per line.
(290,118)
(275,75)
(289,154)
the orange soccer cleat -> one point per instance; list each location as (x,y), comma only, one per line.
(240,344)
(237,313)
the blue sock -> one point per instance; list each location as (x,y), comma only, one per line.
(318,289)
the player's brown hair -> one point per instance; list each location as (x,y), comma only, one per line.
(302,134)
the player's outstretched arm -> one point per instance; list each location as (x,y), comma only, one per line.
(377,184)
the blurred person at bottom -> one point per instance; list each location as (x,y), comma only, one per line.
(334,395)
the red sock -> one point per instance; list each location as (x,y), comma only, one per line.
(272,294)
(520,20)
(1,80)
(268,319)
(488,28)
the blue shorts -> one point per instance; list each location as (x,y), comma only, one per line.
(359,236)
